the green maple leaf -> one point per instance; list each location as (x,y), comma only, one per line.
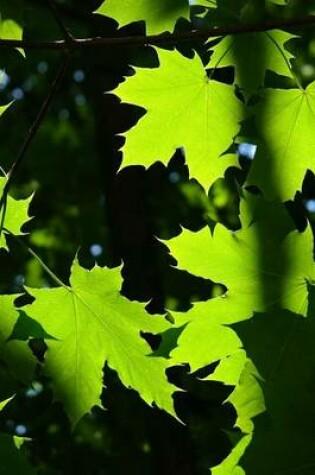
(16,214)
(16,354)
(219,343)
(285,120)
(251,55)
(184,109)
(262,271)
(259,268)
(159,15)
(93,323)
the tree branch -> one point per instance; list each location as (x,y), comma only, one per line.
(31,134)
(165,38)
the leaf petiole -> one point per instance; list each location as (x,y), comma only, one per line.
(39,260)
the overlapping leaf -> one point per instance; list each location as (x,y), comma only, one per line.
(259,268)
(159,16)
(285,121)
(263,271)
(252,54)
(93,324)
(219,343)
(282,347)
(15,214)
(248,400)
(184,109)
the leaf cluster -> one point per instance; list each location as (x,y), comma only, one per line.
(186,171)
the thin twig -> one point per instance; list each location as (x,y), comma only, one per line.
(30,135)
(39,118)
(64,29)
(58,45)
(165,38)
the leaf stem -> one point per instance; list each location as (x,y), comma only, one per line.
(36,256)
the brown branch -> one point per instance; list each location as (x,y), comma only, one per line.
(31,134)
(165,38)
(60,45)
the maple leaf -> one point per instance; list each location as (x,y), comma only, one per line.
(218,343)
(188,110)
(285,122)
(92,323)
(280,279)
(259,268)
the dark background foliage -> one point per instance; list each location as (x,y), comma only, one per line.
(83,202)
